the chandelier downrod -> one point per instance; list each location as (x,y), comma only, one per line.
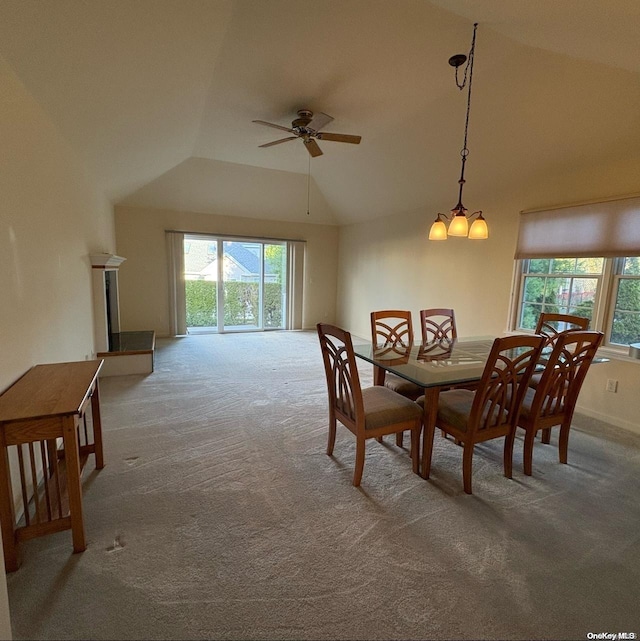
(457,61)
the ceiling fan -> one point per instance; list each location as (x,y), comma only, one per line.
(307,126)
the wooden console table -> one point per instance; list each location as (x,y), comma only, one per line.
(48,403)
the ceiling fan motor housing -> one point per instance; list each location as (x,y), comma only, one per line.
(303,119)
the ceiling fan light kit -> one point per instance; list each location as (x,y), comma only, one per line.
(459,218)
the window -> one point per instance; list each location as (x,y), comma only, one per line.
(605,290)
(599,279)
(625,325)
(559,286)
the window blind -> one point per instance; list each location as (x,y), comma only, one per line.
(177,303)
(295,264)
(610,228)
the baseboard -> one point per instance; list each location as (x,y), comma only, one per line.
(611,420)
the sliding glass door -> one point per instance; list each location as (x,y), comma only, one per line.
(234,285)
(274,284)
(241,291)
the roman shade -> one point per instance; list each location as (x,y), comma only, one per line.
(610,228)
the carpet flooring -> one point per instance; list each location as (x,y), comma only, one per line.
(219,516)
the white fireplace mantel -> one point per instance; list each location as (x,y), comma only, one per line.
(106,261)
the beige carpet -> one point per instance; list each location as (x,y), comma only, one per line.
(219,516)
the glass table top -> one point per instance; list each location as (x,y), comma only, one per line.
(430,364)
(436,364)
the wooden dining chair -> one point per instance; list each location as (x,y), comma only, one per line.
(368,413)
(552,325)
(438,325)
(553,401)
(393,329)
(491,411)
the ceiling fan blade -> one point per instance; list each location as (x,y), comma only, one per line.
(270,124)
(318,121)
(354,140)
(277,142)
(312,147)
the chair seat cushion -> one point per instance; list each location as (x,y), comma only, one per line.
(383,406)
(550,406)
(527,401)
(402,386)
(454,407)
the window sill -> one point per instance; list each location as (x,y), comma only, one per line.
(612,353)
(617,354)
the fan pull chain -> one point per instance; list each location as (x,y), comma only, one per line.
(308,185)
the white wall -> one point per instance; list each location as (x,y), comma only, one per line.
(51,219)
(144,276)
(389,263)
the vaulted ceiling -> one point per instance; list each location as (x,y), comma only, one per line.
(157,97)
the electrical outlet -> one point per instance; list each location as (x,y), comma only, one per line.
(612,385)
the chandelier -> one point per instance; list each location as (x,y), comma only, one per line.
(459,218)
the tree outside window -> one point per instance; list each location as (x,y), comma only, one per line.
(560,286)
(577,286)
(625,327)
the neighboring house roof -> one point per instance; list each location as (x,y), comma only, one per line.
(245,258)
(200,259)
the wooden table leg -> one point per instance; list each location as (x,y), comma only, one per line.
(97,426)
(7,514)
(431,395)
(74,489)
(378,375)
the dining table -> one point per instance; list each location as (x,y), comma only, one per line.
(433,365)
